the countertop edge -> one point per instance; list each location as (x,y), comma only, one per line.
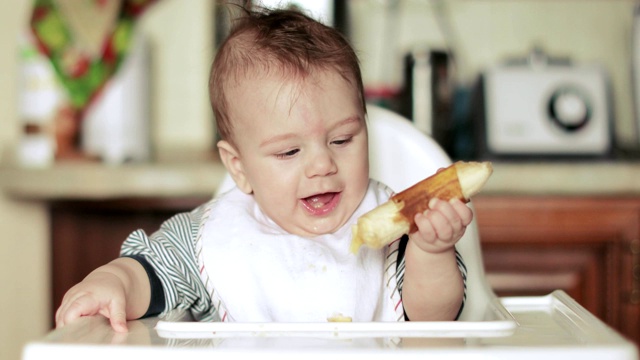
(99,182)
(95,181)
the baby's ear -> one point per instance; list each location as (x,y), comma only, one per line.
(231,159)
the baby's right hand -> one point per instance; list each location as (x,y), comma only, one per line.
(101,292)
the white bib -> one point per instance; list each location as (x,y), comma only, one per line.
(257,272)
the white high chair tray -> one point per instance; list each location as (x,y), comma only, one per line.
(344,330)
(548,327)
(497,321)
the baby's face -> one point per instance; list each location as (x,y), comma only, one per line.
(303,149)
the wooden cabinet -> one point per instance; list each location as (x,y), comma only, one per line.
(589,247)
(532,245)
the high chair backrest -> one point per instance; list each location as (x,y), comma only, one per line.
(400,155)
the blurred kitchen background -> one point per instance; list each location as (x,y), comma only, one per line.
(534,85)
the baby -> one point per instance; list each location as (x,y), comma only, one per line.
(288,99)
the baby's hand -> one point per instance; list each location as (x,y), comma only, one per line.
(442,225)
(100,293)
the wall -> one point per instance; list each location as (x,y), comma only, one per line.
(182,53)
(24,258)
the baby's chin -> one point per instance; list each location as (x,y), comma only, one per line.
(316,227)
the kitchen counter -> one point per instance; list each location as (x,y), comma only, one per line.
(93,180)
(580,178)
(96,181)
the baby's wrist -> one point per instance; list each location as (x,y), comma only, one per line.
(431,249)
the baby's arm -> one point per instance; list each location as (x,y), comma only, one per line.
(433,287)
(119,290)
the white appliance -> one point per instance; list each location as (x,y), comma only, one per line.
(539,108)
(116,126)
(40,97)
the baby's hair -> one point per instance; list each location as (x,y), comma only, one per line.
(277,40)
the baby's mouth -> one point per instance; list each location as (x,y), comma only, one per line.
(320,204)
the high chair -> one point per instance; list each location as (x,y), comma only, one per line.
(551,327)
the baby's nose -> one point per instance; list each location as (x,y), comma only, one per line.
(321,164)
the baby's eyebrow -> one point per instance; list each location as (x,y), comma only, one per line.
(347,121)
(277,138)
(286,136)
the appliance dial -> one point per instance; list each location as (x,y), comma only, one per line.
(569,108)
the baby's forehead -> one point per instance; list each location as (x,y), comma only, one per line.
(295,80)
(283,91)
(272,70)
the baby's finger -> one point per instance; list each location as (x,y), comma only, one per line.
(447,211)
(464,212)
(427,230)
(59,315)
(74,309)
(117,316)
(442,226)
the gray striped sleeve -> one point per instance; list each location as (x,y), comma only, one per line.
(170,251)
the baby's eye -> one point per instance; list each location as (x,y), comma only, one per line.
(342,141)
(287,154)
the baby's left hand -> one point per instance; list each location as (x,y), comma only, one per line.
(442,225)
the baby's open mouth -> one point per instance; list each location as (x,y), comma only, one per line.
(321,203)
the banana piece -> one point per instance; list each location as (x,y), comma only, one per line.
(339,318)
(391,220)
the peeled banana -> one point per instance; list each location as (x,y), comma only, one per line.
(391,220)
